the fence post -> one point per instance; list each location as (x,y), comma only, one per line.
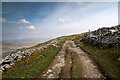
(89,32)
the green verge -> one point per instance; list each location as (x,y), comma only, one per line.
(34,65)
(106,58)
(76,68)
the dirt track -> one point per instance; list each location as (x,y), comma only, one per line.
(62,64)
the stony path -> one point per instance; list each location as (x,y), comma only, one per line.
(55,68)
(62,64)
(68,66)
(89,70)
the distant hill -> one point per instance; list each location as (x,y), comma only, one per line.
(9,46)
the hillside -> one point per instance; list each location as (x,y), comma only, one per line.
(74,56)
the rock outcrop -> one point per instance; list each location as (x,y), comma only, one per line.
(105,35)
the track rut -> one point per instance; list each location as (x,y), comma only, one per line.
(61,67)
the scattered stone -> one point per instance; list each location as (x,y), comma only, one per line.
(49,70)
(50,75)
(44,75)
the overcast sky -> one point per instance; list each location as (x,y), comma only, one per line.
(54,19)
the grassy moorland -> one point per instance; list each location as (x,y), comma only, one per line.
(34,65)
(31,67)
(105,57)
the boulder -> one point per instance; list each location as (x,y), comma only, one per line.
(6,66)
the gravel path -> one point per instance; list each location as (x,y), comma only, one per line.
(89,69)
(55,68)
(68,66)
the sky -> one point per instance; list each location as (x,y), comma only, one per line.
(54,19)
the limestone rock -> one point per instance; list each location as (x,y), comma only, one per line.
(109,36)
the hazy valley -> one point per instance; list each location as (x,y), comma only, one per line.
(10,46)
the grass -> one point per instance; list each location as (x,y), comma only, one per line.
(76,69)
(106,58)
(34,65)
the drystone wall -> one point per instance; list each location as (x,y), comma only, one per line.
(10,60)
(105,35)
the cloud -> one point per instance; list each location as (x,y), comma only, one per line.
(23,21)
(31,27)
(76,19)
(85,19)
(80,3)
(20,28)
(3,20)
(100,19)
(44,20)
(61,20)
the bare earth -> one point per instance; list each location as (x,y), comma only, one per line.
(61,66)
